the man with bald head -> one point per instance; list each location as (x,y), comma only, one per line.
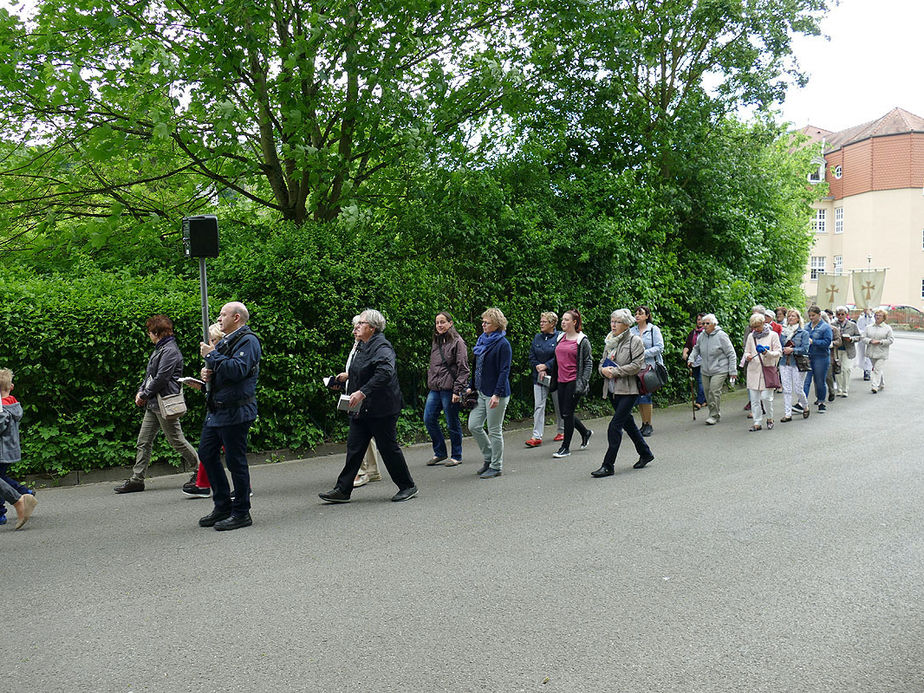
(232,367)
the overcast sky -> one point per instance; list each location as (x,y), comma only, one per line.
(872,63)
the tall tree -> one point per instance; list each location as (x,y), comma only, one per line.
(295,106)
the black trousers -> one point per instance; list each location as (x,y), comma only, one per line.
(567,402)
(382,429)
(234,441)
(622,421)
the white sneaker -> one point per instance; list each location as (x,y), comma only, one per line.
(711,421)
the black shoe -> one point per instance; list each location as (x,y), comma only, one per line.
(562,452)
(234,522)
(603,471)
(485,467)
(130,486)
(642,461)
(831,396)
(335,495)
(585,438)
(866,375)
(646,430)
(797,408)
(190,489)
(214,517)
(822,408)
(404,494)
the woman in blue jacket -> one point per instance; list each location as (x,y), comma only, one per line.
(795,341)
(493,357)
(654,354)
(820,336)
(541,360)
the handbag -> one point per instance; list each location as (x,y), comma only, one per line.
(803,363)
(172,407)
(771,375)
(652,378)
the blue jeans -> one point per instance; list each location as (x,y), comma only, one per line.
(234,440)
(818,372)
(622,420)
(437,401)
(700,394)
(15,485)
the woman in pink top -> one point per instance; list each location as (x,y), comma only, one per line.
(571,378)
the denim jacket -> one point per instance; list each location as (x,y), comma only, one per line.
(800,345)
(820,337)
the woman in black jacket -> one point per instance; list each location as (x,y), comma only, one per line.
(573,365)
(375,403)
(161,378)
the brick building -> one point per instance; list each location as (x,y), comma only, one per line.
(874,212)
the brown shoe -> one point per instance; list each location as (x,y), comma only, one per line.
(24,507)
(130,486)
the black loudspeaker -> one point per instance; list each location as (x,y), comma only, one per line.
(200,236)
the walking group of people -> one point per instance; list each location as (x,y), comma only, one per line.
(781,352)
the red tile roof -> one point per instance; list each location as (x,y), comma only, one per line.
(898,121)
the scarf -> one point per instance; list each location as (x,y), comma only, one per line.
(612,341)
(696,333)
(788,332)
(487,341)
(755,335)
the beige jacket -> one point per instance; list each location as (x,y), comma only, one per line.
(629,356)
(755,373)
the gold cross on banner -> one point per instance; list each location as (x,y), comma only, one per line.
(831,290)
(869,287)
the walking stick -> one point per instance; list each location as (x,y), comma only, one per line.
(692,389)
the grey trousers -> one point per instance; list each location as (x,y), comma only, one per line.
(540,395)
(712,387)
(149,426)
(492,442)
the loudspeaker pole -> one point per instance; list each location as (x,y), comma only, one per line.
(204,291)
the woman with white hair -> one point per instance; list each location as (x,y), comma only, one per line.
(623,358)
(761,350)
(795,342)
(877,338)
(718,364)
(375,403)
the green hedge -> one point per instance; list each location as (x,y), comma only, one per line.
(519,236)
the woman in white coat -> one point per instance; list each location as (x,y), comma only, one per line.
(877,338)
(761,348)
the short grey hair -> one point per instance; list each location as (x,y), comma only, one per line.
(623,315)
(758,309)
(842,309)
(374,318)
(711,319)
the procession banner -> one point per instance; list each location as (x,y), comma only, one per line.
(867,288)
(832,290)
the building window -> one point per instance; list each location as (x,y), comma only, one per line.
(818,174)
(818,223)
(838,264)
(818,265)
(838,171)
(838,220)
(922,289)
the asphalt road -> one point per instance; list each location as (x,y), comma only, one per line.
(785,560)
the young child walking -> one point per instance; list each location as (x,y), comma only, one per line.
(10,452)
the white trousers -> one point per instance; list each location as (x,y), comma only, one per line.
(793,380)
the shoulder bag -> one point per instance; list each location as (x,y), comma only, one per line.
(172,407)
(771,373)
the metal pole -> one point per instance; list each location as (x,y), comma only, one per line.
(204,290)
